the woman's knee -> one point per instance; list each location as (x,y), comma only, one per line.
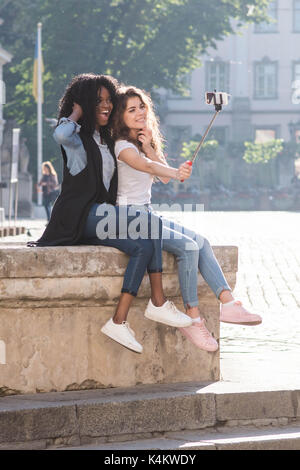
(143,248)
(201,241)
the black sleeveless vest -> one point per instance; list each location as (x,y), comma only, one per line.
(78,194)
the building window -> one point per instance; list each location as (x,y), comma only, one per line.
(297,136)
(265,80)
(296,83)
(176,136)
(264,135)
(187,85)
(296,71)
(269,27)
(218,133)
(294,128)
(296,16)
(217,76)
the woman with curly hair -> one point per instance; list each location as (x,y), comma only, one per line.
(89,193)
(139,155)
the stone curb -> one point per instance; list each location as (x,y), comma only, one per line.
(74,418)
(242,438)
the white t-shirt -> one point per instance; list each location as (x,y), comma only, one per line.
(108,163)
(134,186)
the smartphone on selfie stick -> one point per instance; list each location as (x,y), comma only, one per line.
(217,99)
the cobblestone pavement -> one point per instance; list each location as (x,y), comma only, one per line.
(268,279)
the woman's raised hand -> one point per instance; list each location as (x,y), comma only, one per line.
(184,171)
(76,113)
(145,137)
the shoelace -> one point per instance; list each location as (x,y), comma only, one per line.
(173,306)
(126,325)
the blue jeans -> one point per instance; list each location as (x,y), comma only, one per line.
(109,225)
(193,252)
(47,203)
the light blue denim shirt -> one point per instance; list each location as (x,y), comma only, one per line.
(67,135)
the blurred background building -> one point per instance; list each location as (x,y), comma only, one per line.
(24,177)
(260,67)
(4,58)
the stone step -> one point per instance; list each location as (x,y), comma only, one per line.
(76,418)
(237,438)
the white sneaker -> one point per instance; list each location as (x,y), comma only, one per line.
(123,334)
(168,314)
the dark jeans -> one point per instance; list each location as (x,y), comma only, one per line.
(47,203)
(144,253)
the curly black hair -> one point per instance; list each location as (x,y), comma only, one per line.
(83,89)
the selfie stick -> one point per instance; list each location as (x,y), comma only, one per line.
(218,108)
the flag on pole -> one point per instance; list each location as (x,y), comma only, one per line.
(37,57)
(39,98)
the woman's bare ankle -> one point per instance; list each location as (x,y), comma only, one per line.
(118,319)
(193,312)
(226,296)
(158,301)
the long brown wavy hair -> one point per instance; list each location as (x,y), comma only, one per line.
(50,167)
(119,128)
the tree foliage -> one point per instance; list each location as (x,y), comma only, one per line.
(148,43)
(262,152)
(207,151)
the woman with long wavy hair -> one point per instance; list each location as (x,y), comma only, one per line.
(138,149)
(88,197)
(49,185)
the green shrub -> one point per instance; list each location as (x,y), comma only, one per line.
(262,153)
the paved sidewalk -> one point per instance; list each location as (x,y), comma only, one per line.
(268,282)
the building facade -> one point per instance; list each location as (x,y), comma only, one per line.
(5,57)
(260,68)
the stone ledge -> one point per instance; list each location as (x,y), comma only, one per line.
(55,301)
(18,261)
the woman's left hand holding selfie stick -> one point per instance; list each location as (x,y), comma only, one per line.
(184,171)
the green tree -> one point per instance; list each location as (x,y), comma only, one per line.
(207,151)
(149,43)
(262,153)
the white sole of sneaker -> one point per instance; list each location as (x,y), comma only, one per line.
(169,323)
(242,323)
(125,345)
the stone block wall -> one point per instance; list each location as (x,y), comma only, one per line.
(53,303)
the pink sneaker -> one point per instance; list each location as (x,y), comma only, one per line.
(236,313)
(199,335)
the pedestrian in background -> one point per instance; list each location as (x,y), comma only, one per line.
(49,184)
